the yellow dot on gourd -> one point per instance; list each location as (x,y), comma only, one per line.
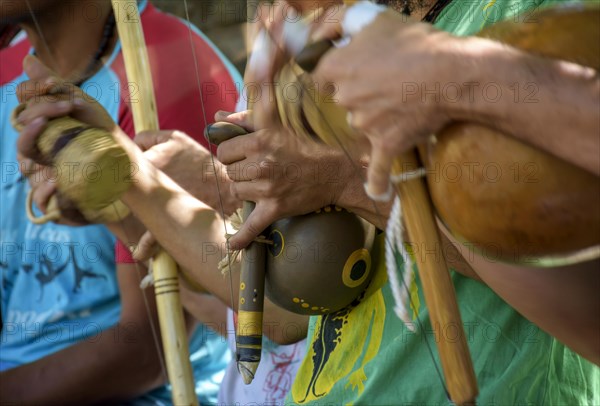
(337,208)
(305,305)
(327,209)
(242,286)
(314,308)
(296,300)
(242,300)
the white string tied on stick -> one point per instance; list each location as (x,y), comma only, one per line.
(148,280)
(393,247)
(235,221)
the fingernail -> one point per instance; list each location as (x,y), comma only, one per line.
(63,105)
(38,122)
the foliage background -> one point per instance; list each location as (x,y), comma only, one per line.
(223,21)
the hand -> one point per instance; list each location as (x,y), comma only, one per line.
(384,78)
(47,96)
(285,176)
(191,166)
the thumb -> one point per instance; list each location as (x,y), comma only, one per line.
(35,69)
(255,224)
(42,194)
(147,247)
(378,175)
(147,139)
(242,118)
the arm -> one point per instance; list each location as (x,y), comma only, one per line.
(171,151)
(212,312)
(563,115)
(399,108)
(563,301)
(122,364)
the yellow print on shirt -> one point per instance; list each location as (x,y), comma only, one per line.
(342,344)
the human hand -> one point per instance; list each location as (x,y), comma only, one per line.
(387,88)
(44,97)
(191,166)
(285,176)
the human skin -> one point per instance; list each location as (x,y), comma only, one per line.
(122,368)
(564,306)
(191,231)
(563,300)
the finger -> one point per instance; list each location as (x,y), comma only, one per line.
(35,69)
(44,108)
(252,191)
(243,119)
(42,194)
(244,171)
(32,89)
(147,139)
(44,85)
(147,247)
(221,115)
(27,166)
(255,224)
(378,175)
(234,150)
(27,141)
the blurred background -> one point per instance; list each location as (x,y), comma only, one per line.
(223,21)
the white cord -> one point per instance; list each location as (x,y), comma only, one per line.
(394,245)
(148,279)
(359,15)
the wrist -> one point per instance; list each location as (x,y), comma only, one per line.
(493,79)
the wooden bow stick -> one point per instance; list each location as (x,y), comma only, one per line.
(437,284)
(166,281)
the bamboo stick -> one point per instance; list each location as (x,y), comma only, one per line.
(170,311)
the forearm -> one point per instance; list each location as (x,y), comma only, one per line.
(206,309)
(187,228)
(93,371)
(194,235)
(553,105)
(279,325)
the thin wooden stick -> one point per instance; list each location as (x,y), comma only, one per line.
(170,311)
(437,285)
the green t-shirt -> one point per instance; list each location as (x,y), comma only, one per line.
(365,355)
(467,17)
